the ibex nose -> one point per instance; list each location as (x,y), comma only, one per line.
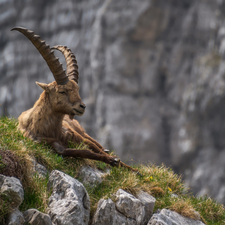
(83,105)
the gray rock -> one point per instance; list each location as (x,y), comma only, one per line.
(13,189)
(69,202)
(106,213)
(130,206)
(149,202)
(127,210)
(34,217)
(120,219)
(41,170)
(15,218)
(91,176)
(38,169)
(168,217)
(174,195)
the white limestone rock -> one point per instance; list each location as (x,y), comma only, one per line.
(34,217)
(167,217)
(130,206)
(106,213)
(149,202)
(69,203)
(13,189)
(128,210)
(39,169)
(15,218)
(91,176)
(120,219)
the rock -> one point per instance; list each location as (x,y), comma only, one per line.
(34,217)
(39,169)
(91,176)
(166,216)
(120,219)
(15,218)
(69,202)
(130,206)
(127,210)
(13,189)
(174,195)
(106,213)
(149,202)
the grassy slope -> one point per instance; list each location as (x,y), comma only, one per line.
(160,182)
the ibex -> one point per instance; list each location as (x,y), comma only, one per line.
(51,118)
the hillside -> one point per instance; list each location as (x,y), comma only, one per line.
(17,155)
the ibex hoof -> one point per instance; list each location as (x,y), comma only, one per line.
(139,174)
(106,151)
(115,161)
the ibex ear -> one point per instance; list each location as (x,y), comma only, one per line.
(43,86)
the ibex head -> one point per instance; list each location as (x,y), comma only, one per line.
(63,94)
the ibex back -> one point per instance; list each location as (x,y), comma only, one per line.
(51,118)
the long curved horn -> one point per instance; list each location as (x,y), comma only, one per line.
(48,55)
(71,62)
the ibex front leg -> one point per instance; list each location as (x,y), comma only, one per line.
(86,154)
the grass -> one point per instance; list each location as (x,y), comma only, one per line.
(159,181)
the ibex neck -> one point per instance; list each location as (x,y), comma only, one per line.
(47,123)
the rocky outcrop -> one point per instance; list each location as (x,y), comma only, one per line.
(15,218)
(129,210)
(39,169)
(12,191)
(151,75)
(166,216)
(148,202)
(130,206)
(91,176)
(126,210)
(69,202)
(34,217)
(12,188)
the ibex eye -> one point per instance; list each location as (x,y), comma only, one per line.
(62,92)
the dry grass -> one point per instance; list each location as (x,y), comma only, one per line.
(185,208)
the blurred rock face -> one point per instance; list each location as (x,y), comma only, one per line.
(152,74)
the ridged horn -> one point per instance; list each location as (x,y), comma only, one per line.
(71,62)
(53,62)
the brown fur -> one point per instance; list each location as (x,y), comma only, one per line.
(51,120)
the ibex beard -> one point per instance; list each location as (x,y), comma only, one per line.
(51,118)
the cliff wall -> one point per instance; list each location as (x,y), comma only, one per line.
(151,74)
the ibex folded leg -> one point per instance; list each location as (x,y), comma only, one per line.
(87,154)
(70,152)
